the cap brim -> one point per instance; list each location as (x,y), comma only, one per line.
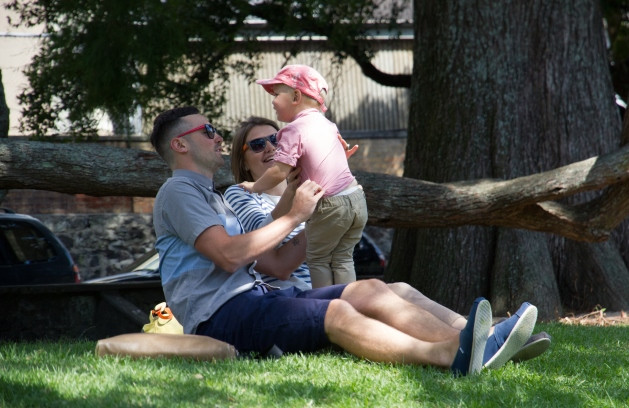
(267,84)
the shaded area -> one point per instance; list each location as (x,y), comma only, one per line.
(76,311)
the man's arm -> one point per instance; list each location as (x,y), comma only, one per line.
(232,252)
(271,178)
(281,262)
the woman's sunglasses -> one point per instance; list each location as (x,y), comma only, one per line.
(257,145)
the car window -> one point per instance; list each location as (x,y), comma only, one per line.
(21,243)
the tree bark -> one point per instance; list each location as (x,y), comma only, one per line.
(602,279)
(501,90)
(516,253)
(4,112)
(4,124)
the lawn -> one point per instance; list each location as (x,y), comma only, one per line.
(585,367)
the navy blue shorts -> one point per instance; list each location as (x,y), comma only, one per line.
(291,319)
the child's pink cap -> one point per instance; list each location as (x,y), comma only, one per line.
(301,77)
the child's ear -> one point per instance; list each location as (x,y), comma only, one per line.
(296,95)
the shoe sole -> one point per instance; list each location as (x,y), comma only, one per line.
(531,350)
(482,324)
(517,338)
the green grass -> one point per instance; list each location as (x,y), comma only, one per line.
(585,367)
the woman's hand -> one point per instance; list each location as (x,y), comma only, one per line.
(348,152)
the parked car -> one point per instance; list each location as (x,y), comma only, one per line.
(30,254)
(369,262)
(145,268)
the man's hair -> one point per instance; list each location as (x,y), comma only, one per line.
(163,125)
(239,170)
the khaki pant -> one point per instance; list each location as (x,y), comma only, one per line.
(333,231)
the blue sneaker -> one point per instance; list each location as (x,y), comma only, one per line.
(536,345)
(509,336)
(472,340)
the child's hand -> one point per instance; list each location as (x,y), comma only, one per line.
(247,186)
(348,152)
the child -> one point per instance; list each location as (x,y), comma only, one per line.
(310,141)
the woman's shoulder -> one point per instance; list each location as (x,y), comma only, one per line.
(237,193)
(234,189)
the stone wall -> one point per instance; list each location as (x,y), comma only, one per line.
(106,244)
(102,244)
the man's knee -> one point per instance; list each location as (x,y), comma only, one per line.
(364,295)
(337,315)
(366,287)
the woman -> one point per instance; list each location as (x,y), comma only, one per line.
(252,153)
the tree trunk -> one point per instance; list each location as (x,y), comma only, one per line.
(4,111)
(602,280)
(521,255)
(501,90)
(4,124)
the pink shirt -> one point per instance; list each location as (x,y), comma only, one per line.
(310,141)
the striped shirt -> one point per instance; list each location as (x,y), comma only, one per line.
(254,211)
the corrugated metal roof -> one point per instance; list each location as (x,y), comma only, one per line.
(355,102)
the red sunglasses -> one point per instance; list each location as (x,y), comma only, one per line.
(209,130)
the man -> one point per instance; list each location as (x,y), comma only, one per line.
(210,277)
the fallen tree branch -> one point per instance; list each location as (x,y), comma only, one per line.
(526,202)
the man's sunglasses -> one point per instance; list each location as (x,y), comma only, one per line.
(209,130)
(257,145)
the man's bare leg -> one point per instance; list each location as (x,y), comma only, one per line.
(376,341)
(412,295)
(449,317)
(539,343)
(374,299)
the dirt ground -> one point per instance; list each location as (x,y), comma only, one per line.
(597,318)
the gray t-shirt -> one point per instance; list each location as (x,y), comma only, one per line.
(194,287)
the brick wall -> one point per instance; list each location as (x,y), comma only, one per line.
(50,202)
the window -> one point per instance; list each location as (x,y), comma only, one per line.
(21,243)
